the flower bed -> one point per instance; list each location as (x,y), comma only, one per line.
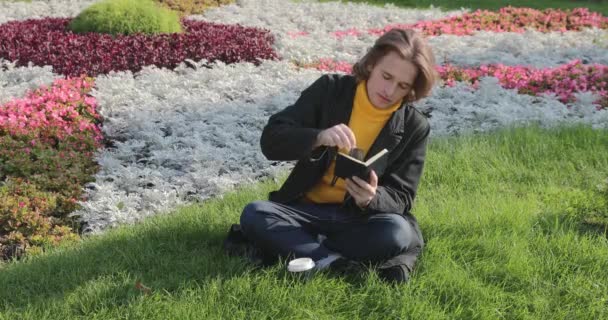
(563,81)
(288,21)
(48,42)
(47,141)
(507,19)
(16,81)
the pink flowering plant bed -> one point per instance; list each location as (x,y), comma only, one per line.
(507,19)
(49,42)
(563,81)
(47,142)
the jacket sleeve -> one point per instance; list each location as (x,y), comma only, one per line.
(291,132)
(397,188)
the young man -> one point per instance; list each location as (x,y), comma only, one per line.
(312,214)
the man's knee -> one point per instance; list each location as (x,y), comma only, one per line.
(253,217)
(393,234)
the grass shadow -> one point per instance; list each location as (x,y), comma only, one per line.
(163,254)
(161,257)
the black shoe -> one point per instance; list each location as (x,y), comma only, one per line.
(347,266)
(398,268)
(237,245)
(395,274)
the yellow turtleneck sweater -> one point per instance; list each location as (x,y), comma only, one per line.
(366,121)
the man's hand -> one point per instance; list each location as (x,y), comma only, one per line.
(361,191)
(340,136)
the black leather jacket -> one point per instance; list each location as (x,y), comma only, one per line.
(291,133)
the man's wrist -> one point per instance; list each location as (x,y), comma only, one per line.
(363,206)
(366,206)
(317,142)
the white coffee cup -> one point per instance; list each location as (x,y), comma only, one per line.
(301,266)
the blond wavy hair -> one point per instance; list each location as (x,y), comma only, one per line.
(411,46)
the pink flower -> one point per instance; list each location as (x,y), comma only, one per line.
(52,110)
(507,19)
(562,81)
(297,34)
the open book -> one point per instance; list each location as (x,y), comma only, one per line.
(347,166)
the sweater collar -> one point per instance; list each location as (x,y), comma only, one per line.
(365,106)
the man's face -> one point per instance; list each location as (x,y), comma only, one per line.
(390,80)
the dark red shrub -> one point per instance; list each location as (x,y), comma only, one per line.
(49,42)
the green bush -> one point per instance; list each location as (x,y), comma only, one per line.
(126,17)
(187,7)
(61,167)
(26,219)
(39,187)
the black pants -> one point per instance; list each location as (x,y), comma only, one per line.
(317,230)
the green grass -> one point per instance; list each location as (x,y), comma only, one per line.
(600,6)
(501,213)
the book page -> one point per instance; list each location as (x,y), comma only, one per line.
(378,155)
(352,158)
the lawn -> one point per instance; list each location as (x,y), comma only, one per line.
(503,215)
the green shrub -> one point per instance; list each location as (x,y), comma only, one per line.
(126,17)
(41,186)
(26,218)
(187,7)
(61,167)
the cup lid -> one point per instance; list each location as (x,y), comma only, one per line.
(300,264)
